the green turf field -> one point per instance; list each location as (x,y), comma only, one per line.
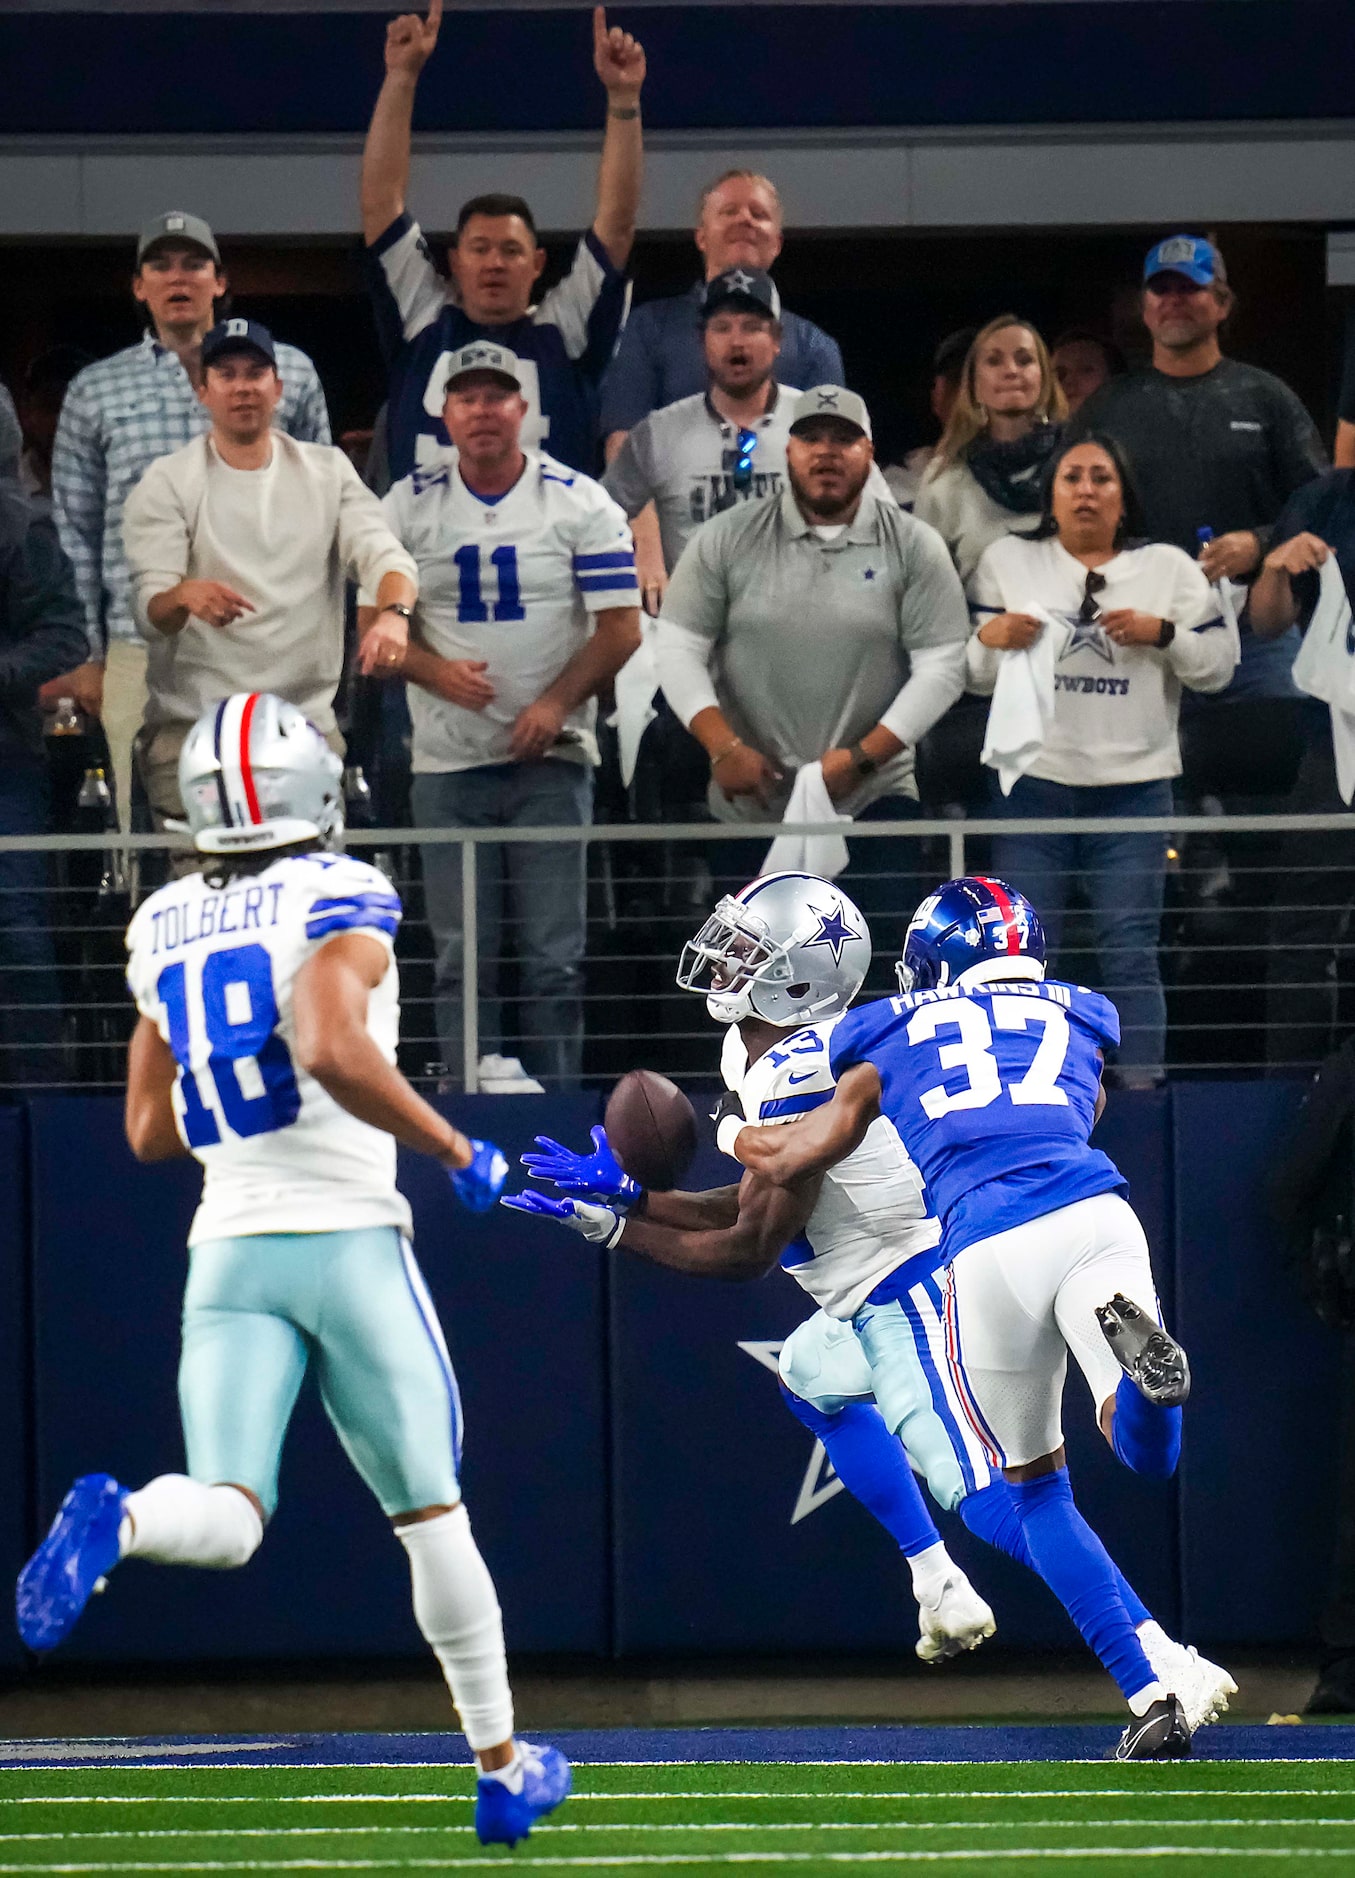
(1220,1816)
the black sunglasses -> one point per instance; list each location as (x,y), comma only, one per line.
(1089,610)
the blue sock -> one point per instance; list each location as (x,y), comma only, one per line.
(991,1515)
(1080,1572)
(1144,1436)
(873,1467)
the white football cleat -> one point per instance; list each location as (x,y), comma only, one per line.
(958,1619)
(1202,1687)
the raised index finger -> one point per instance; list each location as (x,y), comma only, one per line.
(599,28)
(434,20)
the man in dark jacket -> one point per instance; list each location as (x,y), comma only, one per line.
(41,635)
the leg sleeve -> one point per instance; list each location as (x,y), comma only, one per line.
(385,1376)
(915,1400)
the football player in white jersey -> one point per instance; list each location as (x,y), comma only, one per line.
(269,1010)
(801,951)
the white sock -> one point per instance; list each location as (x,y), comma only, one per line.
(1141,1703)
(930,1570)
(177,1521)
(513,1776)
(456,1609)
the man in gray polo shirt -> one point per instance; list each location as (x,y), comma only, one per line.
(818,625)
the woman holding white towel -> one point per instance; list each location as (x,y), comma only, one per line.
(1139,621)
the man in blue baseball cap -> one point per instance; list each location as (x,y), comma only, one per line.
(1216,447)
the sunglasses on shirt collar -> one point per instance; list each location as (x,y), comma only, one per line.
(1089,609)
(741,472)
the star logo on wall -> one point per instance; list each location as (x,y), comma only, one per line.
(820,1483)
(833,932)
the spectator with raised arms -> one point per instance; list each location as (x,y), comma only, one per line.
(563,343)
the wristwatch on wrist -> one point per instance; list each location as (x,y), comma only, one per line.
(398,606)
(1166,633)
(863,764)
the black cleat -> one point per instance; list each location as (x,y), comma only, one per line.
(1154,1362)
(1161,1735)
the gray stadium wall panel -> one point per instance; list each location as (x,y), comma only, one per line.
(1083,176)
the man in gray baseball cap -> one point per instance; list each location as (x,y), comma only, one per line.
(117,417)
(176,229)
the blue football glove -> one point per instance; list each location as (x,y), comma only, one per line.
(479,1185)
(601,1225)
(595,1176)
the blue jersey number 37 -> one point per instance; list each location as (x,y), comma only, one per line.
(249,1065)
(973,1052)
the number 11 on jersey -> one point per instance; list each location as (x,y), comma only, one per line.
(470,607)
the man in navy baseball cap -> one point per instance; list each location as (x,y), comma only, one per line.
(238,335)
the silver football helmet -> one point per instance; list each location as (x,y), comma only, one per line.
(255,774)
(790,948)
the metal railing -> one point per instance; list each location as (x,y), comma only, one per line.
(1250,951)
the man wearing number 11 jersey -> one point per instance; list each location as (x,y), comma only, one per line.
(269,1009)
(528,608)
(992,1077)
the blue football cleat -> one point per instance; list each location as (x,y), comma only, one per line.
(68,1567)
(501,1817)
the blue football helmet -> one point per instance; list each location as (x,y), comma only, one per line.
(970,931)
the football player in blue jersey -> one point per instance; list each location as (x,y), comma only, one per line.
(780,963)
(269,1011)
(992,1077)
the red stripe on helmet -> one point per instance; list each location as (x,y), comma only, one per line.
(1007,910)
(246,773)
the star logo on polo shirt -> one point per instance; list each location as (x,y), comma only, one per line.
(1088,633)
(834,932)
(869,574)
(738,281)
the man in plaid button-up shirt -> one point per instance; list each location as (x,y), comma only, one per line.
(118,417)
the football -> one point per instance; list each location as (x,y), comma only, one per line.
(652,1128)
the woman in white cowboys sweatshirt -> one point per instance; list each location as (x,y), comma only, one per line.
(1134,623)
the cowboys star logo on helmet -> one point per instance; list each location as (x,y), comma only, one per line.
(834,931)
(771,952)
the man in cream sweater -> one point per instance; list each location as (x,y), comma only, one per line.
(239,545)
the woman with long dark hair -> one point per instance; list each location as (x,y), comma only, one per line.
(1136,621)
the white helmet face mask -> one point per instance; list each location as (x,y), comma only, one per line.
(255,774)
(790,949)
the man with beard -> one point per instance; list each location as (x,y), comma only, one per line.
(727,444)
(819,625)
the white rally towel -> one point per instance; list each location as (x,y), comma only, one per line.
(824,855)
(1325,669)
(1022,712)
(634,687)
